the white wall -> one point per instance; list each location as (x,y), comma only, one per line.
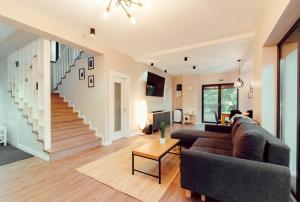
(266,57)
(268,102)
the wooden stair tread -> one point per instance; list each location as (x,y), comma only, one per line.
(55,113)
(65,119)
(57,138)
(66,109)
(71,131)
(73,142)
(67,123)
(66,127)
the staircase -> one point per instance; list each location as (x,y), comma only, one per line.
(27,86)
(70,135)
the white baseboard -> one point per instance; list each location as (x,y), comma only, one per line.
(43,156)
(106,143)
(135,133)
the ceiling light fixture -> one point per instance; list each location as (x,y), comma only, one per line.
(92,32)
(194,67)
(185,59)
(152,64)
(239,82)
(125,5)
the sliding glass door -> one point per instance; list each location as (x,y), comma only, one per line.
(218,99)
(288,91)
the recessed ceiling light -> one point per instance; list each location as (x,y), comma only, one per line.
(185,59)
(194,67)
(166,71)
(152,64)
(92,32)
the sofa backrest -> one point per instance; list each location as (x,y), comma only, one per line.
(248,143)
(276,151)
(252,142)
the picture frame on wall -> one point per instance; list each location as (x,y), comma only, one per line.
(91,63)
(91,81)
(81,74)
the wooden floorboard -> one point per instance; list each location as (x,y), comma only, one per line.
(36,180)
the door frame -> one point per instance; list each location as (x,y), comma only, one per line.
(279,107)
(126,121)
(219,99)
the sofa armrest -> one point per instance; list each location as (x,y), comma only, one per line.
(230,179)
(218,128)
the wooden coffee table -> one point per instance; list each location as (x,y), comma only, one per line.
(155,151)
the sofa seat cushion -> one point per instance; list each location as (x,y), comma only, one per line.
(189,136)
(214,143)
(212,150)
(249,143)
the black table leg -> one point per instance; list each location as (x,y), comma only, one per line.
(159,172)
(132,164)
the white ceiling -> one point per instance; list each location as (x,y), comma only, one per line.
(211,58)
(12,39)
(165,31)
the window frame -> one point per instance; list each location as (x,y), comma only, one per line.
(219,85)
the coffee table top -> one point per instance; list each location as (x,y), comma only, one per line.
(155,150)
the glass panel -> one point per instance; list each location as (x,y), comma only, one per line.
(289,88)
(229,97)
(210,103)
(117,90)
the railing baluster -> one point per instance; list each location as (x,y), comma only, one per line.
(63,65)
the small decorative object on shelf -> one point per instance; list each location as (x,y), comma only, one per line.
(162,133)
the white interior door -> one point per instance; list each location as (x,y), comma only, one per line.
(119,108)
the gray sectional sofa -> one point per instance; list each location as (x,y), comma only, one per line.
(243,163)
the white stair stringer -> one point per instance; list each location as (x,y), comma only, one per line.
(26,70)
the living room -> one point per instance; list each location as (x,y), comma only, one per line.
(143,79)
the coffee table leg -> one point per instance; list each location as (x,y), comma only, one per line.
(159,172)
(132,164)
(180,147)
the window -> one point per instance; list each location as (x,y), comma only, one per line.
(288,119)
(54,51)
(218,98)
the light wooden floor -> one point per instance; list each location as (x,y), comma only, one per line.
(36,180)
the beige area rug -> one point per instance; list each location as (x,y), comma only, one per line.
(114,170)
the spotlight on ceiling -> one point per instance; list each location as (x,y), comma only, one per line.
(194,67)
(92,32)
(185,59)
(166,71)
(152,64)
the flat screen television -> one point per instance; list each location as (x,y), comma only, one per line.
(155,85)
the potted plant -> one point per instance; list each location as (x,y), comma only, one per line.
(162,133)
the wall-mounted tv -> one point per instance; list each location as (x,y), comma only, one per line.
(155,85)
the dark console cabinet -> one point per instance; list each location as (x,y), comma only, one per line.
(158,117)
